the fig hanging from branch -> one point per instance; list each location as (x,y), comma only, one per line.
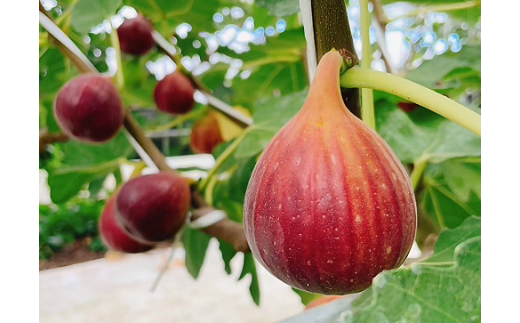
(329,205)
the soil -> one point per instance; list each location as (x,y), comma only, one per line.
(76,253)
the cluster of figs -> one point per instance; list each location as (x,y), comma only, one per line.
(147,209)
(328,206)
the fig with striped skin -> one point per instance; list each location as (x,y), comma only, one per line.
(113,235)
(153,208)
(329,206)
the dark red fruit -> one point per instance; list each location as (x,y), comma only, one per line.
(135,36)
(113,236)
(205,134)
(407,106)
(174,94)
(89,108)
(329,206)
(152,208)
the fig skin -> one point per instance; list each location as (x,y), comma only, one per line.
(329,206)
(152,208)
(113,236)
(205,134)
(135,36)
(88,108)
(174,94)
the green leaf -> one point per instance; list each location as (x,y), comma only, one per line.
(423,134)
(430,72)
(249,267)
(54,72)
(228,252)
(270,116)
(90,13)
(199,13)
(240,179)
(406,295)
(81,154)
(280,8)
(66,182)
(450,239)
(255,141)
(452,191)
(195,243)
(306,297)
(222,201)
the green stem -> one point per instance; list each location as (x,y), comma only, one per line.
(118,176)
(367,95)
(179,120)
(364,78)
(418,171)
(114,39)
(222,158)
(208,193)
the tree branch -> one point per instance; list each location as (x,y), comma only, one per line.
(332,30)
(50,138)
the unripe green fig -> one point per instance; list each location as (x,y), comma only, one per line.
(113,235)
(329,205)
(152,208)
(88,108)
(135,36)
(205,134)
(174,94)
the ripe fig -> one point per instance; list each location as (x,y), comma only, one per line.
(113,236)
(152,208)
(205,134)
(135,36)
(329,206)
(174,94)
(89,108)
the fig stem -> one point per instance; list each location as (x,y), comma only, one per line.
(176,243)
(367,95)
(222,158)
(114,40)
(179,120)
(357,77)
(418,170)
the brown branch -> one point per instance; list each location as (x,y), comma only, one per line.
(381,18)
(332,30)
(226,229)
(382,21)
(50,138)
